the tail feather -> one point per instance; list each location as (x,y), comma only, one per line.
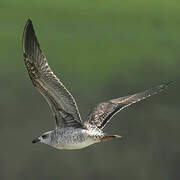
(107,138)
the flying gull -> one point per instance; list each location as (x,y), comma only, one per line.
(70,131)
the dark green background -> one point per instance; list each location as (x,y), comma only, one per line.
(100,49)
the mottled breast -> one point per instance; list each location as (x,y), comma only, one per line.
(76,138)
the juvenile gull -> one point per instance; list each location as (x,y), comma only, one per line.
(70,131)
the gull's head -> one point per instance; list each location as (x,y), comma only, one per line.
(44,138)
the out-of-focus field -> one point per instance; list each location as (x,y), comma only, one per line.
(100,50)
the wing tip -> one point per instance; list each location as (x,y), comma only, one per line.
(30,44)
(165,86)
(28,31)
(170,82)
(27,26)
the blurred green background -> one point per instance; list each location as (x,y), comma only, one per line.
(100,49)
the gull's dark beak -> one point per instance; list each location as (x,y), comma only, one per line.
(36,140)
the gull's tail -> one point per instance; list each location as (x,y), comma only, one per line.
(109,137)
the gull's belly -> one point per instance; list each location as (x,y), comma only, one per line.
(77,139)
(76,145)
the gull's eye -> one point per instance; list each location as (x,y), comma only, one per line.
(44,136)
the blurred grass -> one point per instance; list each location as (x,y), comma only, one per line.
(126,35)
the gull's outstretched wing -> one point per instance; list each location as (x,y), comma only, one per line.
(103,112)
(61,102)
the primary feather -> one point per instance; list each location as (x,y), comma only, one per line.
(58,97)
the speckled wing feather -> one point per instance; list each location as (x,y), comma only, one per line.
(103,112)
(61,102)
